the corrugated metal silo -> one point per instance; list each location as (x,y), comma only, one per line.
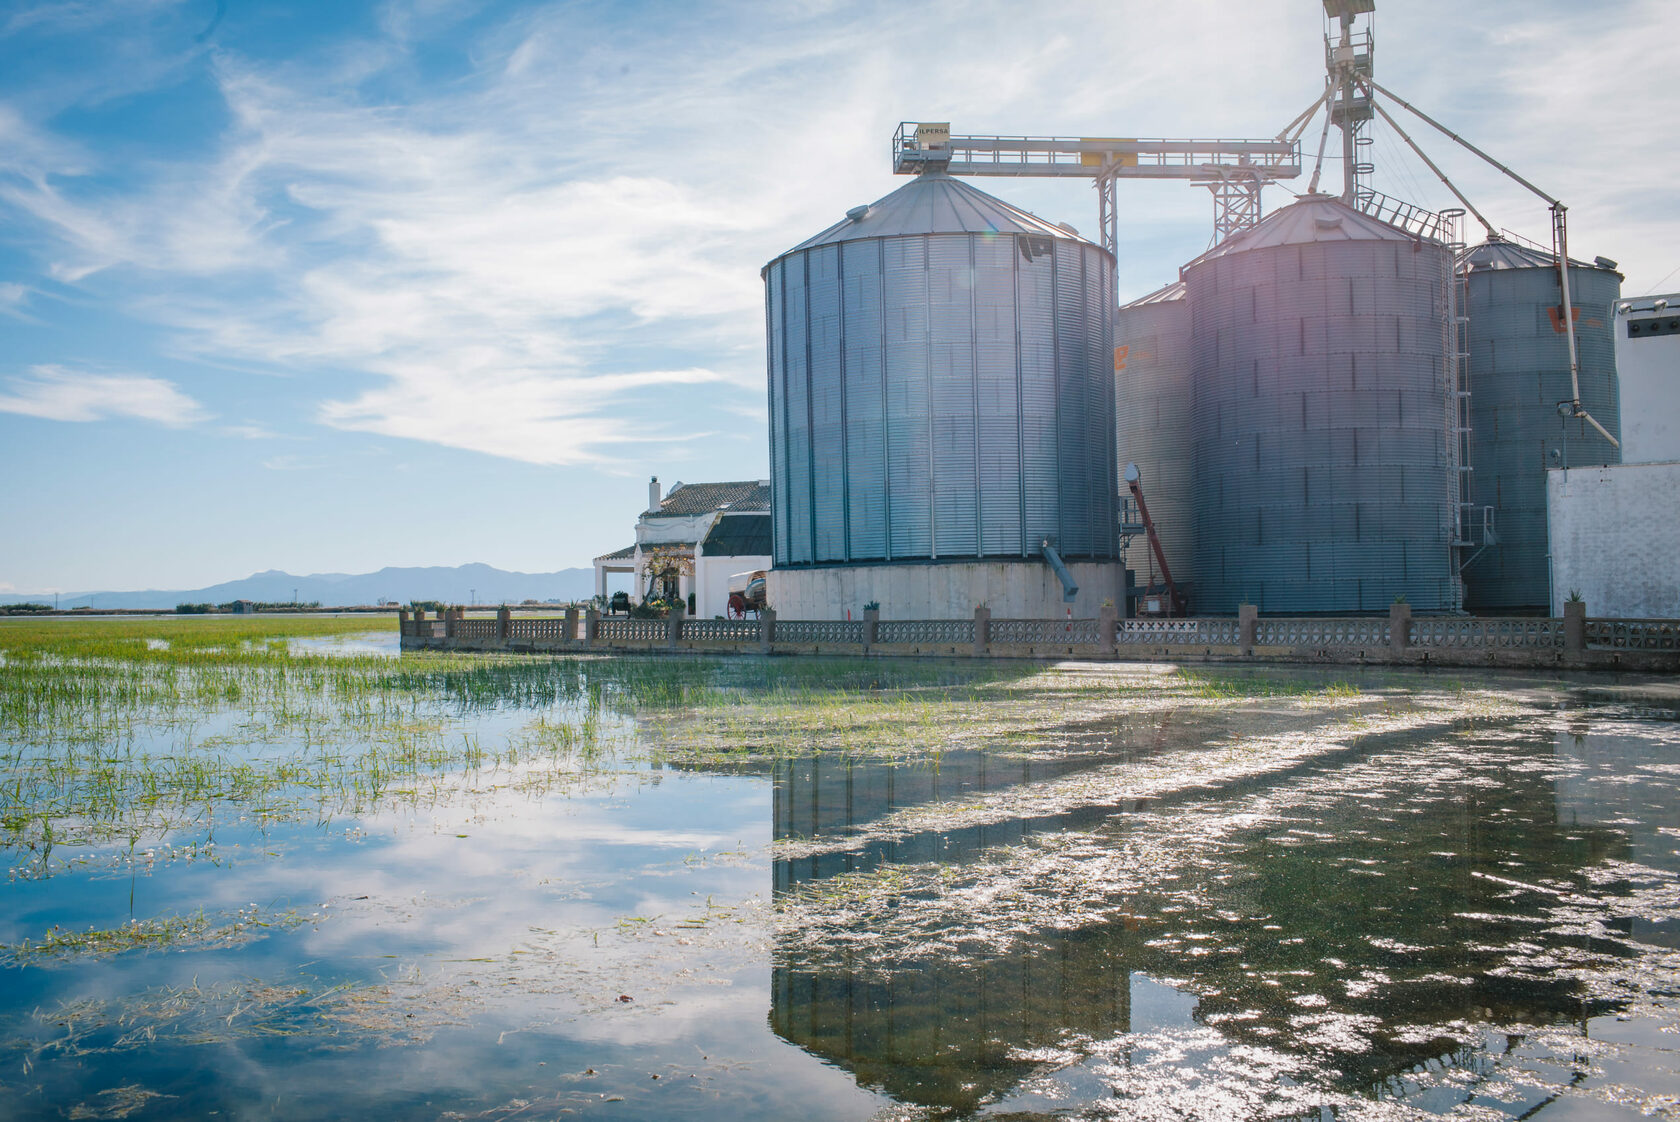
(1518,375)
(941,385)
(1152,417)
(1320,366)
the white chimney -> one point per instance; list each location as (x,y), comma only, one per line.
(653,494)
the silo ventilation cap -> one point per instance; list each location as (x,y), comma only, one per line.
(856,213)
(1068,226)
(1328,221)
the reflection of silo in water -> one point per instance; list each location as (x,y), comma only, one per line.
(1152,418)
(1324,475)
(940,1033)
(828,796)
(1622,783)
(1268,925)
(1519,372)
(949,1032)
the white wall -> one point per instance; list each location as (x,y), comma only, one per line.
(711,582)
(1648,379)
(1615,537)
(677,528)
(1011,589)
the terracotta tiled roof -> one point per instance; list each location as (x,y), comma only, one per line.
(702,498)
(624,554)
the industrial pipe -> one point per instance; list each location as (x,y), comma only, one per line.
(1070,590)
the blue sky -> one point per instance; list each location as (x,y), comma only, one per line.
(330,286)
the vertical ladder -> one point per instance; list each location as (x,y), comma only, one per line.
(1456,330)
(1472,523)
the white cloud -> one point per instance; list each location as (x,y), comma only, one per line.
(507,261)
(524,415)
(78,15)
(58,394)
(12,299)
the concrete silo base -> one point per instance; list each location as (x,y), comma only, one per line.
(947,590)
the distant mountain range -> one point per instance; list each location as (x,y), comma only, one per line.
(462,584)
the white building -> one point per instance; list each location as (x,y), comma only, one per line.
(712,529)
(1615,529)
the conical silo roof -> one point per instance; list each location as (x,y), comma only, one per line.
(936,203)
(1499,253)
(1311,219)
(1163,295)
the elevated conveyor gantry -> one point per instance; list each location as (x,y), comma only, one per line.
(1234,170)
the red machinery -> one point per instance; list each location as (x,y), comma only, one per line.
(1175,603)
(746,593)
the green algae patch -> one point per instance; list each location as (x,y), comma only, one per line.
(194,931)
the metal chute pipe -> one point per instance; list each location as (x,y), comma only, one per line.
(1294,129)
(1427,119)
(1439,174)
(1070,589)
(1560,247)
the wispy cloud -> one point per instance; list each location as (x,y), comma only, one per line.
(55,393)
(507,261)
(12,299)
(536,417)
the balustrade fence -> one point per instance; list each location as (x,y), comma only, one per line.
(1634,634)
(1181,632)
(633,630)
(1318,634)
(549,630)
(925,632)
(1483,634)
(1363,637)
(819,631)
(709,630)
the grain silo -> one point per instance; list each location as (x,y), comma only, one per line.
(1152,418)
(1518,376)
(941,405)
(1325,478)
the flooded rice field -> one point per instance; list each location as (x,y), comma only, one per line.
(268,868)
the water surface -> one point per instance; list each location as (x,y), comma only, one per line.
(479,888)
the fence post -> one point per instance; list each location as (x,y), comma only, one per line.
(402,622)
(674,626)
(982,630)
(450,615)
(1108,622)
(871,626)
(570,628)
(1399,627)
(504,623)
(1248,625)
(591,624)
(1574,627)
(766,629)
